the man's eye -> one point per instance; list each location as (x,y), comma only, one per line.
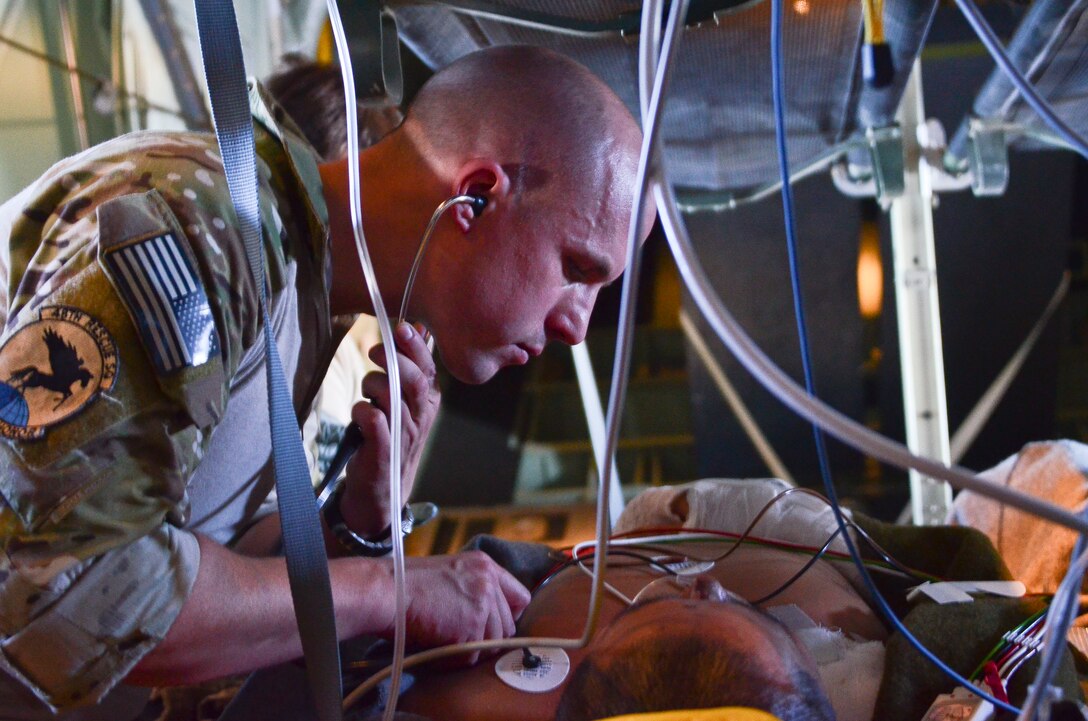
(574,272)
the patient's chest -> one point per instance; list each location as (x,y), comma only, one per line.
(559,610)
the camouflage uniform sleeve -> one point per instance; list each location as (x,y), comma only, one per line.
(130,316)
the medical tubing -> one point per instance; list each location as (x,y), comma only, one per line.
(649,50)
(620,595)
(812,409)
(435,216)
(778,97)
(620,370)
(784,388)
(690,201)
(806,361)
(651,129)
(1064,604)
(789,393)
(1042,107)
(388,339)
(680,535)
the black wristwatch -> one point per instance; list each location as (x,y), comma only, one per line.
(355,544)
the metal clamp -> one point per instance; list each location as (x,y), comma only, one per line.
(988,156)
(886,152)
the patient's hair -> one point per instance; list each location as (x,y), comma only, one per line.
(690,672)
(313,95)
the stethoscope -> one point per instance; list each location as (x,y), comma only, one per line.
(353,437)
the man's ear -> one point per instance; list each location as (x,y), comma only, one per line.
(479,176)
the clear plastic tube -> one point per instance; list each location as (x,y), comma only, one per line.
(651,136)
(392,369)
(813,410)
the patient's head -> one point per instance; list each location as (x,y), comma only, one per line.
(692,651)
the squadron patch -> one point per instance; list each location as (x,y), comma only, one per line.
(51,368)
(166,300)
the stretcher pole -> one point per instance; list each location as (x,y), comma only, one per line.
(921,351)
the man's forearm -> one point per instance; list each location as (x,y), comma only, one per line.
(264,538)
(239,616)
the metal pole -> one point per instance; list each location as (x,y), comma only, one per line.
(921,352)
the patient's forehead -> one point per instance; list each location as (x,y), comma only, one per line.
(738,624)
(717,630)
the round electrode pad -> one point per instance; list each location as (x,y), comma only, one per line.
(554,667)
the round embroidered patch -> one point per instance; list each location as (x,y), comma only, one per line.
(51,368)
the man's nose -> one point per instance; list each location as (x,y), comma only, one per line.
(569,319)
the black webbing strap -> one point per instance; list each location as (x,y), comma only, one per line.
(303,542)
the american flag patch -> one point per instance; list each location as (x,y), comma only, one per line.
(167,302)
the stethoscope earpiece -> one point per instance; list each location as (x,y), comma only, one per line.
(478,202)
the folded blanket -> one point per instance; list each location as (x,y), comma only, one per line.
(1037,552)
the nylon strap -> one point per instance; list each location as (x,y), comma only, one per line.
(303,542)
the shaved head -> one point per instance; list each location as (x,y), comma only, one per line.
(555,154)
(539,112)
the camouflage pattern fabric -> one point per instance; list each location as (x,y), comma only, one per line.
(99,440)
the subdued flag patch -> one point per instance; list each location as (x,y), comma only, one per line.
(167,301)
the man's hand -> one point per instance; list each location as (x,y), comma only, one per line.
(461,598)
(365,502)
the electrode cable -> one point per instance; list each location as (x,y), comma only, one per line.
(651,137)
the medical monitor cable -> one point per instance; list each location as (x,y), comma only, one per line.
(652,540)
(392,368)
(651,136)
(772,377)
(786,390)
(746,534)
(812,409)
(777,92)
(654,110)
(1064,605)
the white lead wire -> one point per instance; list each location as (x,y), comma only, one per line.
(388,340)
